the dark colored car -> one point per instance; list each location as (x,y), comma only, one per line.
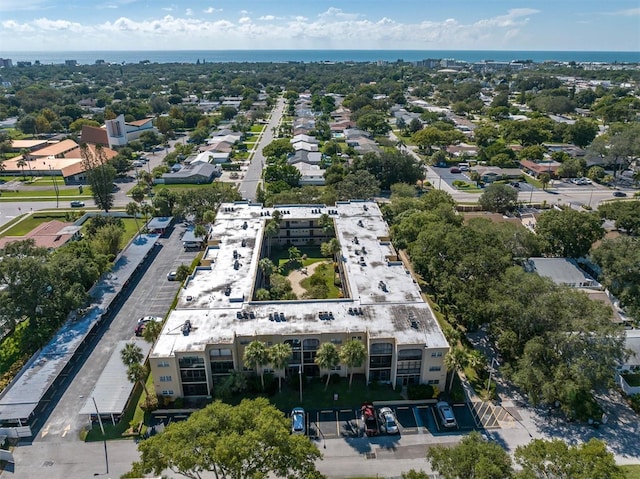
(369,419)
(619,194)
(455,170)
(77,204)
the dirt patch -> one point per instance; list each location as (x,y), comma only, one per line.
(298,275)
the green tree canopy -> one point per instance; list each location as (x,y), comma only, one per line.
(499,197)
(246,441)
(353,354)
(569,233)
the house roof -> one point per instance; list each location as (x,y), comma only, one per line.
(28,144)
(304,138)
(56,149)
(51,234)
(546,167)
(94,134)
(198,168)
(303,145)
(142,122)
(311,157)
(562,271)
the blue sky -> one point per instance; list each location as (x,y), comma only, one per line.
(45,25)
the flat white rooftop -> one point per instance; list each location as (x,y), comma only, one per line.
(216,300)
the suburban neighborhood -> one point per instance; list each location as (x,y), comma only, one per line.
(341,270)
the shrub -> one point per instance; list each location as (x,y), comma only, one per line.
(421,391)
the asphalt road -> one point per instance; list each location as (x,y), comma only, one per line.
(150,294)
(253,175)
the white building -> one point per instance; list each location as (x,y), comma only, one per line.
(380,304)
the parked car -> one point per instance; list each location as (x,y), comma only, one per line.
(619,194)
(388,423)
(171,276)
(298,421)
(455,170)
(369,419)
(77,204)
(142,322)
(445,412)
(515,184)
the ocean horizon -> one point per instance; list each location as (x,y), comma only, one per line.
(314,56)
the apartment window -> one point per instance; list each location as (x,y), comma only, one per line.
(163,364)
(337,368)
(220,353)
(410,355)
(380,361)
(381,348)
(167,392)
(221,367)
(165,379)
(435,368)
(436,354)
(310,344)
(191,362)
(433,381)
(336,341)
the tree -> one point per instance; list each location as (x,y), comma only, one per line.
(131,356)
(133,209)
(250,440)
(267,268)
(618,147)
(331,248)
(278,148)
(471,458)
(327,357)
(499,198)
(619,261)
(279,356)
(21,163)
(455,360)
(374,122)
(256,357)
(358,185)
(100,176)
(558,460)
(569,233)
(390,167)
(353,355)
(626,215)
(582,132)
(545,179)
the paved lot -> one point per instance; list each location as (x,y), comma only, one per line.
(150,294)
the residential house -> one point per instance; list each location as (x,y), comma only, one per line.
(195,173)
(536,169)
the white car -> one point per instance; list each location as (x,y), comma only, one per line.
(445,412)
(388,421)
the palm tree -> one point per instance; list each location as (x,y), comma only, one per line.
(151,331)
(327,358)
(326,223)
(545,179)
(455,360)
(352,355)
(330,248)
(270,230)
(267,267)
(131,356)
(133,209)
(279,356)
(21,163)
(256,357)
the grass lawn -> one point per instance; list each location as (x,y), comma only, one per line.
(632,472)
(324,271)
(315,397)
(49,194)
(22,228)
(256,128)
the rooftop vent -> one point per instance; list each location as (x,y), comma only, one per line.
(186,328)
(244,243)
(227,291)
(245,225)
(382,285)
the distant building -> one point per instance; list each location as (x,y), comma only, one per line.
(121,132)
(5,63)
(196,173)
(71,63)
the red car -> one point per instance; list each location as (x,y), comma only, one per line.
(369,419)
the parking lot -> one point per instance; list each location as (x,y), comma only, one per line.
(411,419)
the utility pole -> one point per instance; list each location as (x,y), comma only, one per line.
(104,438)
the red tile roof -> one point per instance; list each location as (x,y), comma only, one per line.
(95,135)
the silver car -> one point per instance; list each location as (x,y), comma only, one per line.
(388,423)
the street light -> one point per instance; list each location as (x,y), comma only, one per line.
(55,185)
(300,377)
(491,366)
(104,437)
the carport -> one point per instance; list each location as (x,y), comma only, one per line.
(112,392)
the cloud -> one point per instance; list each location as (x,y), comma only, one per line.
(16,5)
(338,13)
(269,18)
(188,12)
(244,21)
(212,10)
(630,12)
